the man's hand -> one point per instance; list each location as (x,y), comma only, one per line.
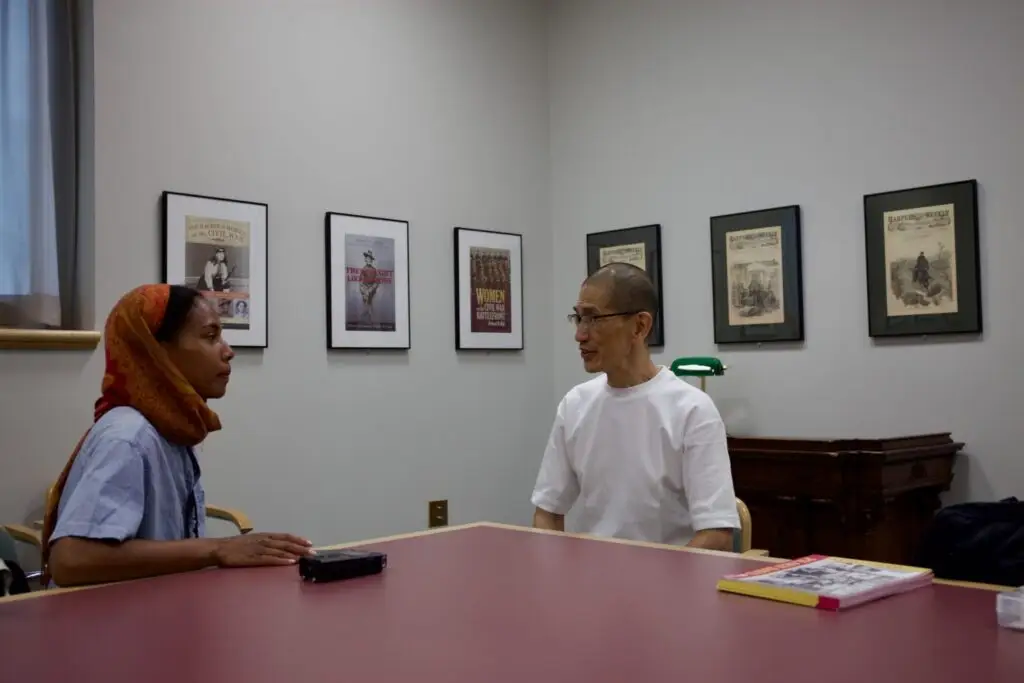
(712,539)
(261,549)
(542,519)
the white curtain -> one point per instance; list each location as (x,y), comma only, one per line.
(38,187)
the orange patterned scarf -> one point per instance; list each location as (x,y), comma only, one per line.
(139,374)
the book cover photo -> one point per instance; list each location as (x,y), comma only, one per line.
(217,254)
(490,288)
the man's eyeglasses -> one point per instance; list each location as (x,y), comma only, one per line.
(577,320)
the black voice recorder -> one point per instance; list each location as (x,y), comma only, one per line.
(337,565)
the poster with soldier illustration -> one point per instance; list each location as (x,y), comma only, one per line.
(367,282)
(923,260)
(920,252)
(370,283)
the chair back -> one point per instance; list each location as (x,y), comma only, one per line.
(8,551)
(743,540)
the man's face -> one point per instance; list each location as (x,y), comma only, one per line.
(605,342)
(200,352)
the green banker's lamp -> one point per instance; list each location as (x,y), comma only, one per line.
(698,366)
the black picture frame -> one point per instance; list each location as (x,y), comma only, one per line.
(650,237)
(771,318)
(182,211)
(343,332)
(923,305)
(471,333)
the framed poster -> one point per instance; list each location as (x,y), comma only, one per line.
(923,267)
(219,246)
(639,246)
(367,282)
(756,276)
(488,290)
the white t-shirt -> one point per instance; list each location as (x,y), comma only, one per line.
(647,462)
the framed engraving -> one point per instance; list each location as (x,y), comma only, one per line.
(367,265)
(219,246)
(639,246)
(756,276)
(488,290)
(922,256)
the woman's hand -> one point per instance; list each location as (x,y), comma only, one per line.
(261,549)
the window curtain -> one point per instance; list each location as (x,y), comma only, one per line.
(38,164)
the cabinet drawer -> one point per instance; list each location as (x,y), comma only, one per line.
(913,474)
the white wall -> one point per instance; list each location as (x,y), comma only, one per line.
(672,112)
(437,111)
(433,111)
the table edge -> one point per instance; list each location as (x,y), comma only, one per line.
(641,544)
(524,529)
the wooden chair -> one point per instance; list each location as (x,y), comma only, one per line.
(19,533)
(742,540)
(23,534)
(236,517)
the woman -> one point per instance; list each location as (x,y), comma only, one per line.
(129,503)
(215,277)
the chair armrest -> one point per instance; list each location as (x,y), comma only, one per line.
(24,534)
(757,553)
(236,517)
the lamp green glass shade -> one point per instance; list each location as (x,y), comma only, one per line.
(698,366)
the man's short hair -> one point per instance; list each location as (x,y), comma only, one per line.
(630,288)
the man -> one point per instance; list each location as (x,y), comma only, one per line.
(640,451)
(921,273)
(368,283)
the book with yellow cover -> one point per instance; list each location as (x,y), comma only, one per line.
(830,583)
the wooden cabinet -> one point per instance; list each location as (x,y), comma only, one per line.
(863,498)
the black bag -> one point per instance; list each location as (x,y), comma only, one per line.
(980,542)
(12,579)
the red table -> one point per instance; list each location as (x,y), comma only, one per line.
(492,604)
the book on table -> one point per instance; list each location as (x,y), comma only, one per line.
(830,583)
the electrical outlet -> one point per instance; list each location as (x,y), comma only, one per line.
(437,513)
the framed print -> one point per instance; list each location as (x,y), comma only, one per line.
(219,246)
(488,290)
(367,282)
(639,246)
(756,276)
(923,269)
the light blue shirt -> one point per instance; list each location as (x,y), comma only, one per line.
(129,482)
